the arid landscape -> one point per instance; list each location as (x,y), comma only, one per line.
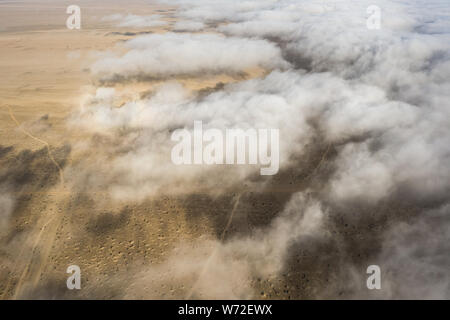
(86,177)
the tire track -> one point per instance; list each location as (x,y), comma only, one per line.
(47,145)
(45,226)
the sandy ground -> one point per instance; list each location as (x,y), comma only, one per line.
(161,246)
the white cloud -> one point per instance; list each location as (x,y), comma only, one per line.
(188,26)
(170,54)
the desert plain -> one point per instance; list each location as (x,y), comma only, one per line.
(84,187)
